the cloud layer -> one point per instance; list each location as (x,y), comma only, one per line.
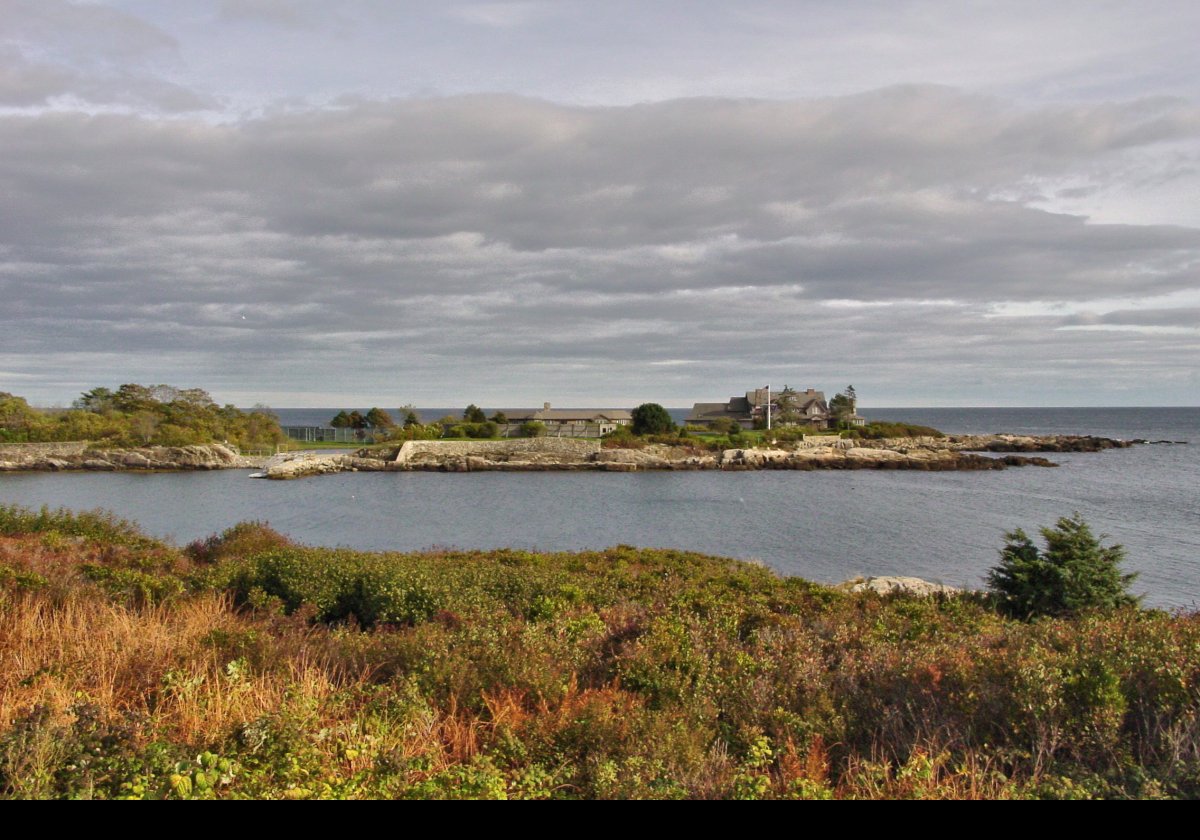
(929,243)
(511,248)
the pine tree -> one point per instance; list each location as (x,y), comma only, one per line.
(1074,573)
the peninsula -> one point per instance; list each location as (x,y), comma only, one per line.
(161,427)
(815,453)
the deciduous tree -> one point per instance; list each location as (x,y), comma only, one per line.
(377,418)
(652,419)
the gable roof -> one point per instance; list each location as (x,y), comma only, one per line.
(809,401)
(572,415)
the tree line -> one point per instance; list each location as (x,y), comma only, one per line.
(139,415)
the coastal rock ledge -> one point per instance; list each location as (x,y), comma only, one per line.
(80,456)
(898,585)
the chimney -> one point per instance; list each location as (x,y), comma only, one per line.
(545,406)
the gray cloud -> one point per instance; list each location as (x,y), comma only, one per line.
(90,54)
(289,14)
(504,249)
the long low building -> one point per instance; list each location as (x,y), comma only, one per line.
(570,422)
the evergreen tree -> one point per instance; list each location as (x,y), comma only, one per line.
(844,405)
(1074,573)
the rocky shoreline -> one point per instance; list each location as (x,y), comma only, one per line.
(55,457)
(958,452)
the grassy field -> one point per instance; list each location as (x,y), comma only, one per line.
(246,666)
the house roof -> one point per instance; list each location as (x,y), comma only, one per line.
(742,408)
(572,415)
(738,408)
(709,411)
(759,396)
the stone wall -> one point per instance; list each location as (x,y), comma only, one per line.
(568,449)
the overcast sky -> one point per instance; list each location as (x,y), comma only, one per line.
(359,203)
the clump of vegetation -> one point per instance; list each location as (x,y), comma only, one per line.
(843,406)
(140,415)
(242,540)
(256,668)
(97,525)
(651,419)
(883,429)
(532,429)
(1073,574)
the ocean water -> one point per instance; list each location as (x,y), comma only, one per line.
(826,526)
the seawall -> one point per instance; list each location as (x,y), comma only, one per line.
(519,449)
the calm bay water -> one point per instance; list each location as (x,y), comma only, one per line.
(826,526)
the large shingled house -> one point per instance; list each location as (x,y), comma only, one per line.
(788,407)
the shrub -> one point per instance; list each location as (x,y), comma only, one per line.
(883,429)
(651,419)
(622,438)
(95,525)
(484,430)
(532,429)
(242,540)
(1073,574)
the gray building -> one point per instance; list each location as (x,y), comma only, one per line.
(788,407)
(569,422)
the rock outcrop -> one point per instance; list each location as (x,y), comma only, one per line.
(1041,443)
(77,456)
(898,584)
(301,464)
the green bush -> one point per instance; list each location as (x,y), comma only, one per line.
(532,429)
(725,425)
(651,419)
(96,525)
(1074,573)
(882,429)
(484,430)
(370,588)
